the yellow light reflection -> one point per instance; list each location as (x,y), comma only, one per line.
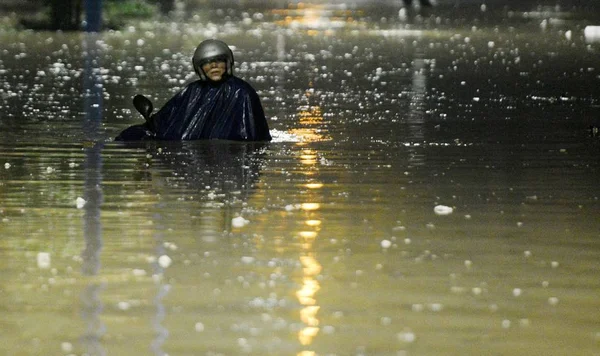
(311,268)
(308,234)
(311,129)
(307,334)
(309,288)
(308,315)
(307,135)
(306,353)
(311,119)
(313,222)
(311,114)
(307,297)
(308,159)
(318,19)
(310,206)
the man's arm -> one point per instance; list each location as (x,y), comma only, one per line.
(258,129)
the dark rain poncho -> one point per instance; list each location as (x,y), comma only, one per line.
(204,110)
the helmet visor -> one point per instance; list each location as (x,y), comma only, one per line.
(219,58)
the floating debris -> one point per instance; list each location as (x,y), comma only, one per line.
(443,210)
(592,33)
(435,307)
(524,322)
(164,261)
(43,260)
(80,202)
(418,307)
(123,306)
(407,336)
(66,346)
(139,272)
(247,259)
(169,245)
(292,207)
(239,222)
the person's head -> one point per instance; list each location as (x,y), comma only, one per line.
(213,60)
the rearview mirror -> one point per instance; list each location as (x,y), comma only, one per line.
(143,105)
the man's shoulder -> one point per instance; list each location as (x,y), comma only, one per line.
(243,85)
(195,84)
(241,82)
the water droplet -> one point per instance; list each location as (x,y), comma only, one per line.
(164,261)
(524,322)
(43,260)
(80,202)
(436,307)
(443,210)
(407,336)
(138,272)
(66,346)
(569,35)
(239,222)
(247,259)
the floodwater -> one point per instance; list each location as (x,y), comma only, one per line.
(432,189)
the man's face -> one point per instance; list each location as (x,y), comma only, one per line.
(214,70)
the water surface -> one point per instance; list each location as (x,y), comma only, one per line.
(325,241)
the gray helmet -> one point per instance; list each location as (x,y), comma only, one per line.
(210,50)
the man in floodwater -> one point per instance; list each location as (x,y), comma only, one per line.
(217,106)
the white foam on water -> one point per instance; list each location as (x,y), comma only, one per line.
(592,33)
(283,136)
(442,210)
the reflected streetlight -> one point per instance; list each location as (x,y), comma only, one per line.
(311,268)
(317,19)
